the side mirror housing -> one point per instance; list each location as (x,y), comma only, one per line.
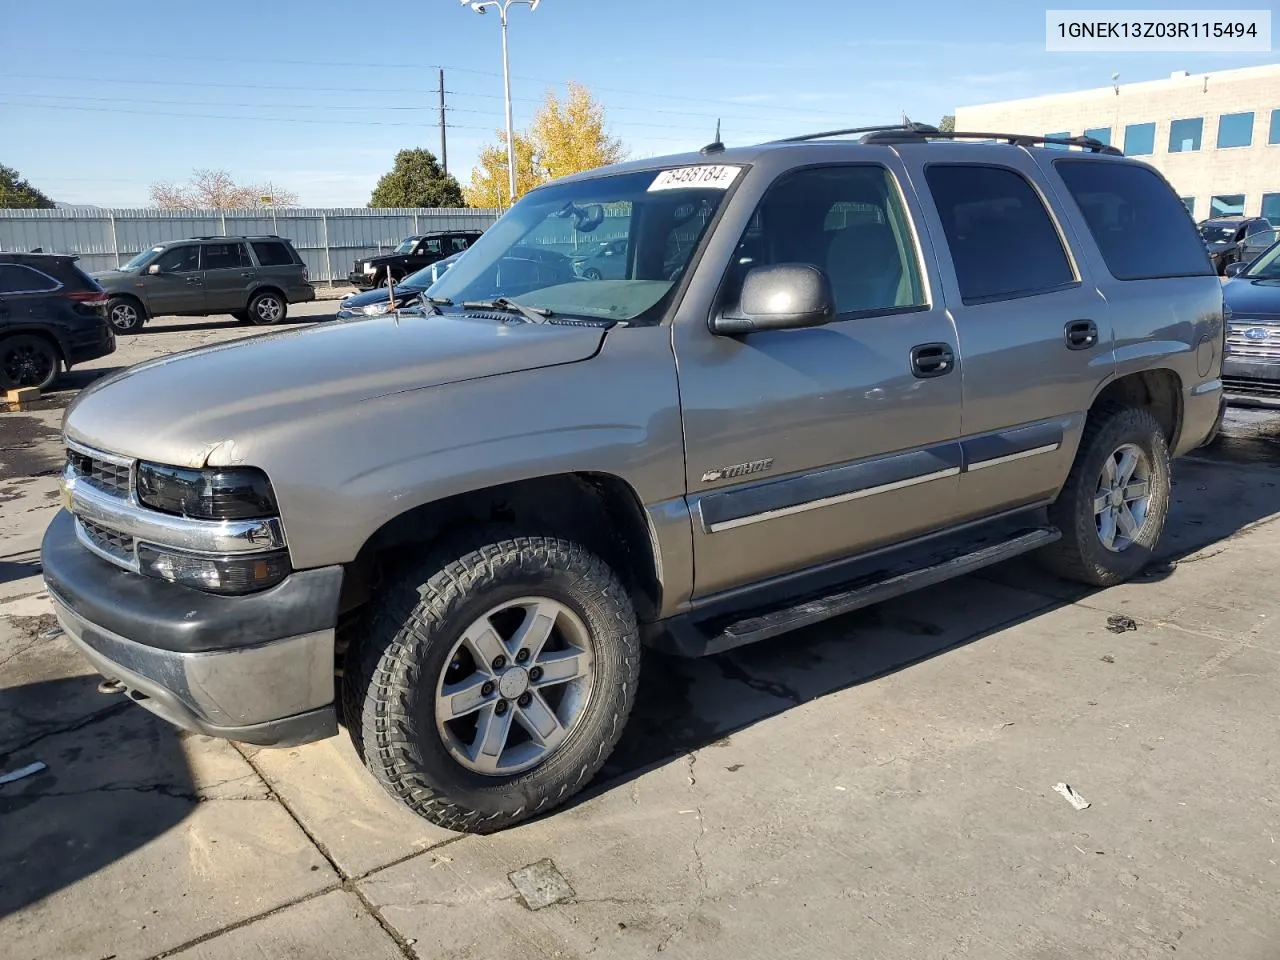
(783,296)
(1234,269)
(153,269)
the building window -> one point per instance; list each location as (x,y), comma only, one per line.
(1140,139)
(1065,135)
(1103,134)
(1230,205)
(1271,208)
(1274,136)
(1184,135)
(1190,204)
(1235,130)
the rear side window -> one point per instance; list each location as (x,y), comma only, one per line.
(18,278)
(1003,243)
(1140,225)
(459,244)
(271,253)
(223,256)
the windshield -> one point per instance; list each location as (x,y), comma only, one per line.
(533,254)
(1267,266)
(406,246)
(141,259)
(1217,233)
(425,277)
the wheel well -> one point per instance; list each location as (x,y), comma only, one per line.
(267,288)
(600,511)
(1157,391)
(142,307)
(38,334)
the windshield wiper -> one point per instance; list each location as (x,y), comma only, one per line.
(507,305)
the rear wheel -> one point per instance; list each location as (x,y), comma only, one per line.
(267,308)
(1113,506)
(494,680)
(27,360)
(125,314)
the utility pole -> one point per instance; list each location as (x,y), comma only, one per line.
(444,142)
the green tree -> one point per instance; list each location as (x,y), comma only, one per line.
(16,192)
(489,186)
(947,124)
(417,180)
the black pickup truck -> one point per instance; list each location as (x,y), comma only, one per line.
(414,253)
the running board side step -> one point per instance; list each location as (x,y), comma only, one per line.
(687,637)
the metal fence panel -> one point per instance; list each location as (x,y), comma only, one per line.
(327,240)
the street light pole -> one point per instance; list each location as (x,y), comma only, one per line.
(502,7)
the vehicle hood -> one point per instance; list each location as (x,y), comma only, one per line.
(1252,298)
(1218,246)
(193,408)
(355,301)
(375,257)
(113,279)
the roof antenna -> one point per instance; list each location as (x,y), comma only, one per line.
(715,146)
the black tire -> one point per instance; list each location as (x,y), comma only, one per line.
(126,314)
(591,273)
(267,308)
(1081,555)
(28,360)
(390,676)
(241,315)
(384,281)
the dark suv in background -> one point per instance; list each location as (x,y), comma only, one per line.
(414,253)
(1224,236)
(252,278)
(52,316)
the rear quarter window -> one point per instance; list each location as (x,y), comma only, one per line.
(272,254)
(1141,227)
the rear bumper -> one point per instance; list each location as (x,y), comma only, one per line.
(303,293)
(363,281)
(258,668)
(82,348)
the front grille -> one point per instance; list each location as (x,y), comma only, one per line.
(1252,388)
(118,545)
(1257,347)
(108,477)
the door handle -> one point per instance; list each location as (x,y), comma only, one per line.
(932,360)
(250,274)
(196,280)
(1080,334)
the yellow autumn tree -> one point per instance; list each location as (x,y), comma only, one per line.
(565,137)
(489,186)
(570,135)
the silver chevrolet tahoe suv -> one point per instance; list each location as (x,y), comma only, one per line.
(832,370)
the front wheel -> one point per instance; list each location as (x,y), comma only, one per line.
(493,681)
(1112,509)
(266,308)
(125,314)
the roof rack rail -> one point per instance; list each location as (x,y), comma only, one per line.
(1017,139)
(910,128)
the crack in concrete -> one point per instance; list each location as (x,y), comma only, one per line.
(105,713)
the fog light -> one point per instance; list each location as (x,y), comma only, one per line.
(244,574)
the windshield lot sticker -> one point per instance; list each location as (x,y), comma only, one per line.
(712,178)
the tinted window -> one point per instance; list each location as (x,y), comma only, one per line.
(1140,139)
(225,256)
(1002,242)
(272,253)
(17,278)
(1141,227)
(1101,134)
(1235,129)
(1184,135)
(430,246)
(1228,205)
(459,244)
(179,260)
(1274,135)
(850,222)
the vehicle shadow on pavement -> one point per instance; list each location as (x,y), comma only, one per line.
(114,779)
(684,705)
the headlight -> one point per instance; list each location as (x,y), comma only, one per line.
(376,309)
(214,574)
(368,268)
(218,493)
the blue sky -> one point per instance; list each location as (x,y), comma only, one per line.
(99,100)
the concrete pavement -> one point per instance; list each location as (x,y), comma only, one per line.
(879,786)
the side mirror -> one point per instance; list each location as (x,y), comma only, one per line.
(784,296)
(153,269)
(1234,269)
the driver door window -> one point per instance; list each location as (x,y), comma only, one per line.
(179,260)
(429,246)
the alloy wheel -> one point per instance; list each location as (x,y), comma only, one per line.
(515,686)
(27,362)
(124,316)
(1123,497)
(269,309)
